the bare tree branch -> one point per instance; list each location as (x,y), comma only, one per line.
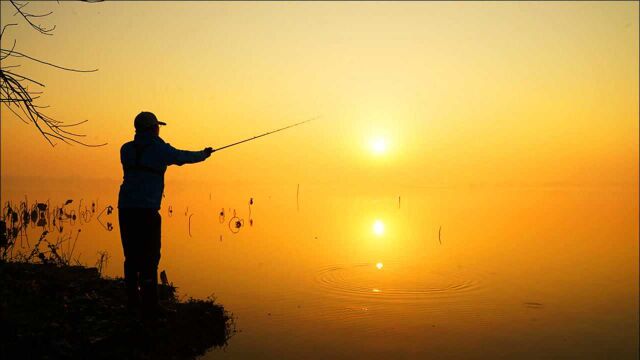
(14,87)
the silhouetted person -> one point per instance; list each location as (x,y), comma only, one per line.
(144,161)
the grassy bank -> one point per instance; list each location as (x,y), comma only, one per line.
(70,312)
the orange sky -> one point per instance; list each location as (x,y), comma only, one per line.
(462,93)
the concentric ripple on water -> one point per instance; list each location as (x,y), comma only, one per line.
(395,283)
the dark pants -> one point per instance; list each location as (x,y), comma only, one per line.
(140,233)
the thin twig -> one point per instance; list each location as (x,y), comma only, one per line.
(19,54)
(26,16)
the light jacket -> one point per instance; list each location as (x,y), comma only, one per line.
(144,161)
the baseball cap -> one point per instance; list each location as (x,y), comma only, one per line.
(145,120)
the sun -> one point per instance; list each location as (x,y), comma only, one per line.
(378,227)
(379,145)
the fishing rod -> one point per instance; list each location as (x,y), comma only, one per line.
(265,134)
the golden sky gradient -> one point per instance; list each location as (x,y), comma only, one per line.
(460,93)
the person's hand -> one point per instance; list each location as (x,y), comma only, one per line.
(208,151)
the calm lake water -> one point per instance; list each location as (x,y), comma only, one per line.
(432,273)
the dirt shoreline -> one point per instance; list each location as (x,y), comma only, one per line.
(70,312)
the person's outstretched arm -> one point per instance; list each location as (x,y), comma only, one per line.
(178,157)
